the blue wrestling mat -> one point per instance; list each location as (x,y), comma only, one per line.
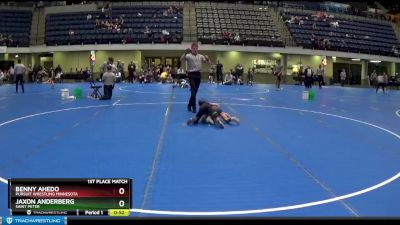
(335,156)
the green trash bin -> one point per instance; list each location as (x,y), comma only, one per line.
(311,95)
(78,93)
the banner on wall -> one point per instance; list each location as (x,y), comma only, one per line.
(92,57)
(264,62)
(3,49)
(263,65)
(323,61)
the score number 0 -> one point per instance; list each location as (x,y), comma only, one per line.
(121,203)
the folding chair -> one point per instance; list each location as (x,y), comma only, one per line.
(95,93)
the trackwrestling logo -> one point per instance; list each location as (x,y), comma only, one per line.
(33,220)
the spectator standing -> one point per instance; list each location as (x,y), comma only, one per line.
(343,77)
(211,74)
(239,73)
(2,76)
(131,72)
(19,71)
(219,72)
(120,68)
(320,76)
(108,82)
(373,78)
(278,75)
(250,76)
(380,83)
(308,77)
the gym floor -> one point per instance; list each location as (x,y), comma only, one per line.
(335,156)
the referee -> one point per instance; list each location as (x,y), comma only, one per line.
(194,63)
(19,71)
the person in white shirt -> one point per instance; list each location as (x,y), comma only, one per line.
(211,74)
(19,71)
(278,75)
(380,83)
(291,20)
(343,77)
(10,74)
(228,78)
(194,63)
(237,37)
(373,78)
(308,80)
(385,78)
(1,77)
(320,76)
(181,73)
(335,24)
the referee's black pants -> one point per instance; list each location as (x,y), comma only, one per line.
(107,92)
(219,77)
(380,85)
(194,81)
(19,79)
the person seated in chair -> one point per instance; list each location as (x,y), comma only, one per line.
(118,77)
(181,73)
(239,81)
(396,80)
(229,79)
(164,76)
(108,83)
(148,32)
(212,113)
(181,83)
(169,80)
(142,76)
(58,76)
(149,76)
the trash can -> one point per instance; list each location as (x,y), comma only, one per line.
(305,95)
(78,93)
(311,95)
(64,94)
